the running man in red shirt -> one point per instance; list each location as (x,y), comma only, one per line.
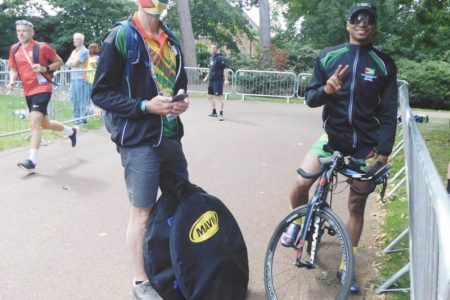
(36,85)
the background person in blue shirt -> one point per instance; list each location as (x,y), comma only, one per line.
(78,62)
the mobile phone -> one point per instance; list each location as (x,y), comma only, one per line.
(179,97)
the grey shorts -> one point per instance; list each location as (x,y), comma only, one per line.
(148,168)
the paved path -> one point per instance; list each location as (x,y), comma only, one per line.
(63,229)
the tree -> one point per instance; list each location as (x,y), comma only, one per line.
(91,17)
(216,20)
(187,33)
(264,23)
(12,10)
(415,29)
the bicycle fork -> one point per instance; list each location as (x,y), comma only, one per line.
(315,227)
(311,227)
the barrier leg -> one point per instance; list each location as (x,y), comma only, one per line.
(395,188)
(390,248)
(398,174)
(399,147)
(385,286)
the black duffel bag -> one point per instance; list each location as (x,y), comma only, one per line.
(208,256)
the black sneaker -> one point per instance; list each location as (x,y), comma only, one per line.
(73,137)
(213,115)
(27,165)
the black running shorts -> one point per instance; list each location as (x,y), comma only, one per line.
(38,102)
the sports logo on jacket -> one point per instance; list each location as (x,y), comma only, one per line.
(204,227)
(369,74)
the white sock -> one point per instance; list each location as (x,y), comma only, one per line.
(67,131)
(33,155)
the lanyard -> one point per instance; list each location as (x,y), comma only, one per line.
(26,56)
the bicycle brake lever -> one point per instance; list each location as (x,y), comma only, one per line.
(383,190)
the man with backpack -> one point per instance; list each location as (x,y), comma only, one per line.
(33,62)
(139,72)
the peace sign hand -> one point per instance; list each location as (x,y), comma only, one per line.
(334,83)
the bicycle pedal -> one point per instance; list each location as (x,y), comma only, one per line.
(308,265)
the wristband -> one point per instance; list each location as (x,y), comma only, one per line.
(47,69)
(143,105)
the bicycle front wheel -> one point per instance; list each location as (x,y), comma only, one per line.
(328,275)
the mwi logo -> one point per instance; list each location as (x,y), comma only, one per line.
(204,227)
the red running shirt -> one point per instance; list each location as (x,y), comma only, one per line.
(30,83)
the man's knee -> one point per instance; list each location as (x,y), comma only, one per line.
(357,205)
(302,185)
(36,119)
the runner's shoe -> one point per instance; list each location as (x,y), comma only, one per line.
(290,235)
(73,137)
(221,117)
(27,165)
(144,291)
(212,115)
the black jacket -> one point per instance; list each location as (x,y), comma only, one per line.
(122,98)
(217,66)
(363,113)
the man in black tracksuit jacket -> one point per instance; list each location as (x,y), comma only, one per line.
(357,85)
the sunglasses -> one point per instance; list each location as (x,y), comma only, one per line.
(24,22)
(367,19)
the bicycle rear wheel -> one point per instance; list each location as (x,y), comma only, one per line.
(284,280)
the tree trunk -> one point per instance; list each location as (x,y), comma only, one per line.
(264,24)
(188,41)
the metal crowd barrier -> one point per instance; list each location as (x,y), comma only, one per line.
(265,84)
(429,208)
(242,82)
(302,82)
(3,65)
(69,85)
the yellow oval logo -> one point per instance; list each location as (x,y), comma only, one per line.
(205,227)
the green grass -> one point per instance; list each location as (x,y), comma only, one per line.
(234,97)
(59,110)
(436,134)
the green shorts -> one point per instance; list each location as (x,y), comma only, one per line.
(318,150)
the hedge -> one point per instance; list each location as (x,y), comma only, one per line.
(429,82)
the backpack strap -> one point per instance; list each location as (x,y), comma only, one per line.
(36,47)
(132,45)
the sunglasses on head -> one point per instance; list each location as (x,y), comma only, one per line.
(24,22)
(367,19)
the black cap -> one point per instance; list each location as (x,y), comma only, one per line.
(362,6)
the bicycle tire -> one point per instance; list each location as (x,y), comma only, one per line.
(284,280)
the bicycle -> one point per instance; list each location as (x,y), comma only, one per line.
(320,262)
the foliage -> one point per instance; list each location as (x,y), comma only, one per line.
(12,10)
(413,29)
(237,61)
(429,82)
(202,52)
(215,19)
(300,57)
(90,17)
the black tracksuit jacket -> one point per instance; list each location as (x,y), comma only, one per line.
(122,98)
(362,115)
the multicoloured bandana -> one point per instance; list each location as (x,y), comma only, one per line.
(154,7)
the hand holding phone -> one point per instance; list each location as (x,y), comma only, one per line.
(179,97)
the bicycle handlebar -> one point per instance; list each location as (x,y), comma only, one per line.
(377,174)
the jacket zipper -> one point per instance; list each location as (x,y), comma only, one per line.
(154,81)
(350,107)
(126,122)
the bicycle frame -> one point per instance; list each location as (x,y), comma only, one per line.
(317,202)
